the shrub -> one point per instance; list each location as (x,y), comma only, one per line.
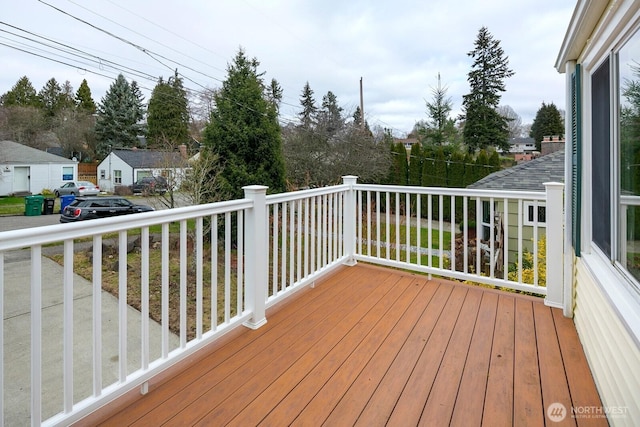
(122,190)
(527,265)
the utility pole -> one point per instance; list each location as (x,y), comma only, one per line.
(361,106)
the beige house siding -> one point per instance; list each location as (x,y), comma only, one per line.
(613,356)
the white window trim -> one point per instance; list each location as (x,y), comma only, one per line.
(525,214)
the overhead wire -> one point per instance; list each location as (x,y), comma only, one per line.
(152,55)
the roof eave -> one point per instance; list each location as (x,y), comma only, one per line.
(585,18)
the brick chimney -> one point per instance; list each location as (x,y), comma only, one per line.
(551,144)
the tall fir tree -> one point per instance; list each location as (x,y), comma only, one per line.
(50,97)
(119,115)
(244,131)
(274,94)
(309,109)
(439,126)
(330,116)
(22,94)
(168,114)
(84,100)
(548,122)
(484,126)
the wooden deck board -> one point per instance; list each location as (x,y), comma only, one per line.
(498,404)
(374,346)
(527,408)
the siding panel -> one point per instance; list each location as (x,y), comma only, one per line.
(613,357)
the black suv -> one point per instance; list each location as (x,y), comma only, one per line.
(150,185)
(99,207)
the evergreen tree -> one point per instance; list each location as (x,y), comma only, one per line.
(482,168)
(469,170)
(84,101)
(330,116)
(22,94)
(548,122)
(50,97)
(484,126)
(494,162)
(399,172)
(168,114)
(274,94)
(119,115)
(244,131)
(309,109)
(415,165)
(439,126)
(456,170)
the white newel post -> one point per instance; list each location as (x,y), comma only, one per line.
(350,219)
(555,244)
(256,255)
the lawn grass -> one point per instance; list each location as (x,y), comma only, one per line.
(11,205)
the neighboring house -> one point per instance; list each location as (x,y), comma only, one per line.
(25,170)
(407,142)
(124,167)
(600,56)
(521,145)
(528,176)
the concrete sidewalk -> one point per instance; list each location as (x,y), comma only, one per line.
(17,327)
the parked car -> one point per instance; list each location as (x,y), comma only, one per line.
(77,188)
(150,185)
(83,208)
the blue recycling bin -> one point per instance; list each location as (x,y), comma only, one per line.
(66,201)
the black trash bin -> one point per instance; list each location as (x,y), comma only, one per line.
(47,208)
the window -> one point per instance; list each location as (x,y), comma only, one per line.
(67,173)
(530,214)
(117,176)
(628,86)
(102,174)
(143,174)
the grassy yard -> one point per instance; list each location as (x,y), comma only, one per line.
(11,205)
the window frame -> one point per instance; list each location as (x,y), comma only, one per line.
(527,220)
(117,176)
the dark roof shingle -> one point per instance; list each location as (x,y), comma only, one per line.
(150,158)
(528,176)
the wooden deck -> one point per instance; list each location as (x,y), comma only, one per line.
(374,346)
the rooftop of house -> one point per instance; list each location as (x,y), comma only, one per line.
(528,176)
(14,153)
(150,158)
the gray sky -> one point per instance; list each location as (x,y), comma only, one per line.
(398,47)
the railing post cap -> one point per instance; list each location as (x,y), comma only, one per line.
(553,185)
(349,179)
(252,189)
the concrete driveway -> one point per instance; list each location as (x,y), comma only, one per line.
(17,340)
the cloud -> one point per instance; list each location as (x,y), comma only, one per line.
(398,47)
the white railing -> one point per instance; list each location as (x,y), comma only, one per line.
(221,266)
(392,220)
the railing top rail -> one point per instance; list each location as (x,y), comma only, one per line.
(17,239)
(303,194)
(446,191)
